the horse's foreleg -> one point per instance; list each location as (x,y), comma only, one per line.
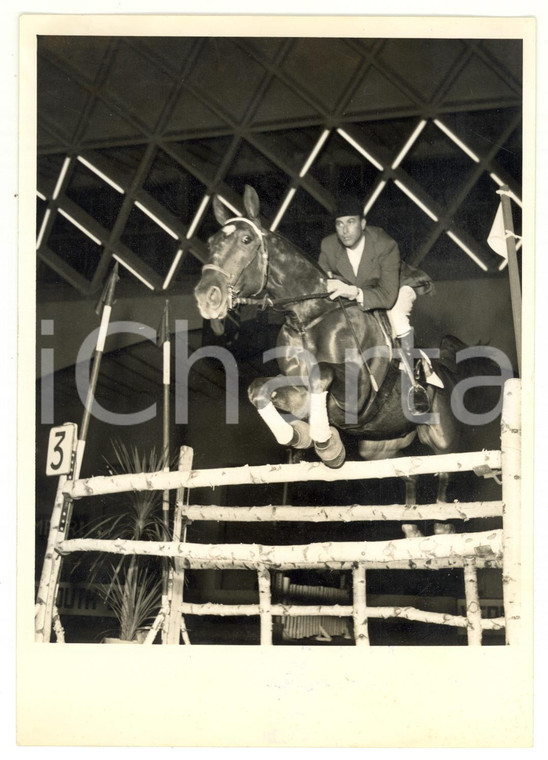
(318,419)
(268,395)
(321,377)
(327,441)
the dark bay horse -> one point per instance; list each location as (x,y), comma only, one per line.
(337,363)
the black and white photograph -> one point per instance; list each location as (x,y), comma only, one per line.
(279,350)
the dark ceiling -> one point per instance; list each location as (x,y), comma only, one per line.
(135,134)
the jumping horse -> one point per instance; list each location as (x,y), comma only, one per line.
(338,365)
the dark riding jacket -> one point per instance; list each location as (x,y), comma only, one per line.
(381,272)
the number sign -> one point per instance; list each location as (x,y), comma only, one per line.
(61,444)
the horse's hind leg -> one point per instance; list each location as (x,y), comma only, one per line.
(410,490)
(443,484)
(441,438)
(410,530)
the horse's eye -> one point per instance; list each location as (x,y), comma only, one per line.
(246,239)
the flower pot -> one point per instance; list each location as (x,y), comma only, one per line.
(139,638)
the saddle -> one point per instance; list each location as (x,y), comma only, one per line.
(384,379)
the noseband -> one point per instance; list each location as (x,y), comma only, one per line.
(231,279)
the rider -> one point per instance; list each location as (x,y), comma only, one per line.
(367,260)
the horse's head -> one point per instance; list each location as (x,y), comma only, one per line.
(238,262)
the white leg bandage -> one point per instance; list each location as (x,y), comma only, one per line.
(282,430)
(318,420)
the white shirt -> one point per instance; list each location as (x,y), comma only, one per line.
(355,255)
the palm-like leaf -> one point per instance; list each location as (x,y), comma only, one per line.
(133,599)
(134,586)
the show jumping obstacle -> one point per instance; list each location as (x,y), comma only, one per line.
(498,548)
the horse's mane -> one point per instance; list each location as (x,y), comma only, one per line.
(299,251)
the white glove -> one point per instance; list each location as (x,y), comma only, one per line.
(341,289)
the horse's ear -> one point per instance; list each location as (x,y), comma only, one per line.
(251,202)
(222,214)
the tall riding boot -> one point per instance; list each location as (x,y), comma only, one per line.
(418,401)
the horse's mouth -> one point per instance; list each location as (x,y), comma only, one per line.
(212,302)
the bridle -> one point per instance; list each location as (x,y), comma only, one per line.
(233,280)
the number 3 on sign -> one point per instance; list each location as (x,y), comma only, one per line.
(61,444)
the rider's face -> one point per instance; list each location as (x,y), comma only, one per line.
(349,230)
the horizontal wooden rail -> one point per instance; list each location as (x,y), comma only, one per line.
(484,544)
(351,513)
(481,461)
(338,610)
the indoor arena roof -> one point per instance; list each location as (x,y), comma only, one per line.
(135,135)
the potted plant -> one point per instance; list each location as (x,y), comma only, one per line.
(130,586)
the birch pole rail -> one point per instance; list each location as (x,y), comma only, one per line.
(484,544)
(511,491)
(497,548)
(352,513)
(302,472)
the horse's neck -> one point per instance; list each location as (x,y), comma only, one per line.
(291,274)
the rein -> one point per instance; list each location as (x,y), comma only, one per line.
(266,301)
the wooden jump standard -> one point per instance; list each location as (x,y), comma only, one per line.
(496,548)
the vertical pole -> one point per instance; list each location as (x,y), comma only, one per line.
(359,612)
(511,509)
(265,602)
(165,344)
(165,495)
(513,271)
(47,589)
(277,575)
(165,438)
(177,575)
(62,509)
(106,301)
(58,626)
(473,609)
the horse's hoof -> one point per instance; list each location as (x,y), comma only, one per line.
(410,530)
(440,528)
(332,452)
(301,435)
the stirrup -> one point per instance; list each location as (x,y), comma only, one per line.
(418,401)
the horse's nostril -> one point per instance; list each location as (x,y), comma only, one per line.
(214,296)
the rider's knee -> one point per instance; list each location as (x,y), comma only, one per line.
(400,312)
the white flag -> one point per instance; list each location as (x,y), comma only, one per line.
(497,236)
